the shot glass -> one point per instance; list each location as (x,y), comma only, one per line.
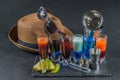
(43,51)
(66,45)
(77,42)
(55,49)
(43,46)
(101,43)
(88,44)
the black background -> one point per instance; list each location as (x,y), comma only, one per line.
(16,64)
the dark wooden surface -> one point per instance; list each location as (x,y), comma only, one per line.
(16,64)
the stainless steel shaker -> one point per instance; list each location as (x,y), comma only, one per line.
(95,58)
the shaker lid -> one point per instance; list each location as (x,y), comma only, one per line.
(95,51)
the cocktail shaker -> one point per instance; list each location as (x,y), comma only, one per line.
(95,58)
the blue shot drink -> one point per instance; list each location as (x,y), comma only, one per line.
(88,44)
(77,52)
(55,50)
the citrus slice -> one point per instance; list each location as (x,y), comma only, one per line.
(37,67)
(50,64)
(43,66)
(57,68)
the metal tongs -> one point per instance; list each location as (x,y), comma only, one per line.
(79,68)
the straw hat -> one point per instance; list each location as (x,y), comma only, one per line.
(24,34)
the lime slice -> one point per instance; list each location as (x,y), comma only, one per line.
(57,68)
(50,64)
(37,67)
(47,63)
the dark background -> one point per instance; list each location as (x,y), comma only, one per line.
(16,64)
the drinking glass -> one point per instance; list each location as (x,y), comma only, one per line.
(55,49)
(101,43)
(43,51)
(66,45)
(88,44)
(43,46)
(77,41)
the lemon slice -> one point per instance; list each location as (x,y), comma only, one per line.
(37,67)
(43,66)
(57,68)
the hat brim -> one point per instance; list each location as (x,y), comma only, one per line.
(13,36)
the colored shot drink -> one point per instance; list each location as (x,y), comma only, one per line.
(88,44)
(66,46)
(55,50)
(77,41)
(43,47)
(101,43)
(43,51)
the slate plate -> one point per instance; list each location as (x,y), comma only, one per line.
(66,71)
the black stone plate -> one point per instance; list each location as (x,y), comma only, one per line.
(66,71)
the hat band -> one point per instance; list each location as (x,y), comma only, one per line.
(28,44)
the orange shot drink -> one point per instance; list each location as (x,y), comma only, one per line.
(43,46)
(101,43)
